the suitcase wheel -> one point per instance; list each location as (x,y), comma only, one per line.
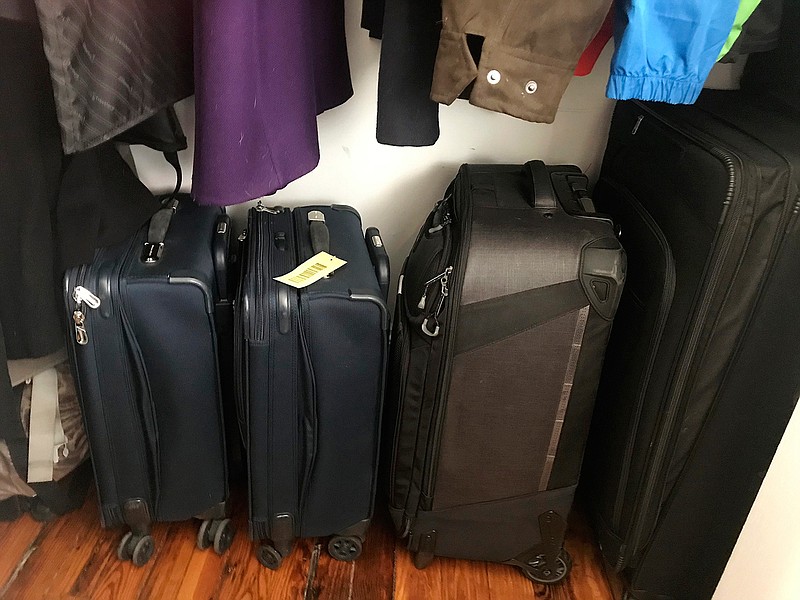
(136,548)
(40,512)
(217,533)
(269,556)
(539,571)
(346,548)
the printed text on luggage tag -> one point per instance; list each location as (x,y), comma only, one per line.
(315,268)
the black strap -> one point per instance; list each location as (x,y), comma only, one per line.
(172,158)
(544,195)
(159,222)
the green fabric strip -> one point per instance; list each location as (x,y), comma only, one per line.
(746,8)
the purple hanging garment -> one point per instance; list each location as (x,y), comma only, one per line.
(263,71)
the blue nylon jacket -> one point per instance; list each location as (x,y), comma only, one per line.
(666,48)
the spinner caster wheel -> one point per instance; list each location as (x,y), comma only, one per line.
(125,550)
(41,513)
(345,548)
(269,557)
(223,535)
(204,535)
(143,551)
(136,548)
(540,572)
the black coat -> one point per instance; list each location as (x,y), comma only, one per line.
(54,210)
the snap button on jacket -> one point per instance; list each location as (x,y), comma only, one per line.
(525,41)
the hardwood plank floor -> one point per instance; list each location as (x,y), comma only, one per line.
(73,558)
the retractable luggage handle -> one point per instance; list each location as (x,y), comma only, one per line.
(544,196)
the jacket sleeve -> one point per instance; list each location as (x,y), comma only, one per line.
(666,48)
(528,52)
(406,114)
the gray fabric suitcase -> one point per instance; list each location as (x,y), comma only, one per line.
(503,311)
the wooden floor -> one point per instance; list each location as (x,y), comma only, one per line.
(73,557)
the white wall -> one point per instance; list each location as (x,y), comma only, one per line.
(393,189)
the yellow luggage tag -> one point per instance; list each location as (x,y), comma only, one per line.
(315,268)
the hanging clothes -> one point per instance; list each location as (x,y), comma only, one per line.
(529,50)
(777,73)
(757,29)
(665,49)
(410,36)
(114,63)
(589,57)
(533,47)
(263,72)
(55,210)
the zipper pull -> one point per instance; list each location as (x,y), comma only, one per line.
(639,120)
(429,283)
(446,218)
(276,210)
(445,292)
(81,336)
(433,318)
(81,295)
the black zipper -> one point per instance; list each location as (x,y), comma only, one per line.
(728,221)
(403,343)
(239,319)
(263,250)
(310,454)
(112,284)
(661,321)
(79,316)
(443,382)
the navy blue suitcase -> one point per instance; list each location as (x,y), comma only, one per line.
(143,343)
(310,378)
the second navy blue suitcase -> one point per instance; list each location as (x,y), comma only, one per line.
(310,378)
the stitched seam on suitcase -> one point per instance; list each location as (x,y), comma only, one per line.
(566,391)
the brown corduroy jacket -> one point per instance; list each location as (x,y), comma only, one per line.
(529,52)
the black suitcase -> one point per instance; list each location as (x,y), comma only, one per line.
(311,377)
(145,357)
(503,311)
(702,371)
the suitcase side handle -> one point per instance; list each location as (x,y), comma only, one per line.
(379,258)
(318,230)
(544,196)
(220,251)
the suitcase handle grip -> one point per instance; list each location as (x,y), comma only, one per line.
(220,250)
(157,231)
(544,196)
(320,236)
(379,258)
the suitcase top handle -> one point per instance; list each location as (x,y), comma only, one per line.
(544,195)
(320,237)
(157,231)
